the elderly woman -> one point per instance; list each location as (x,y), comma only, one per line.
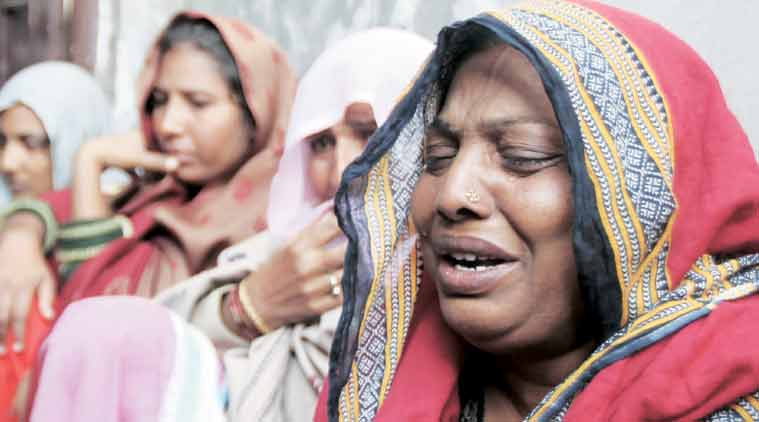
(559,222)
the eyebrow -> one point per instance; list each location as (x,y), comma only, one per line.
(186,91)
(315,135)
(445,129)
(23,134)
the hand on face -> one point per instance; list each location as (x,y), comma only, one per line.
(495,208)
(300,281)
(127,151)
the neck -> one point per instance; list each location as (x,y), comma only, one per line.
(521,381)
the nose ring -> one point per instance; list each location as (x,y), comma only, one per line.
(472,196)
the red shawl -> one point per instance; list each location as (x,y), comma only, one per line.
(687,346)
(175,237)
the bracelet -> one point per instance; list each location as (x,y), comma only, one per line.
(40,209)
(250,310)
(237,313)
(81,240)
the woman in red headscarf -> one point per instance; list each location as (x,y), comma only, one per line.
(559,222)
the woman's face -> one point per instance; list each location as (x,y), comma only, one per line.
(196,117)
(331,150)
(494,207)
(25,158)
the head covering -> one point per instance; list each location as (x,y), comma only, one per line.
(101,373)
(352,70)
(196,228)
(70,104)
(666,231)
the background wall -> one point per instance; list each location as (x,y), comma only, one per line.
(725,33)
(36,30)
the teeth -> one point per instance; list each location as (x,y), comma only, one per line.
(473,269)
(466,257)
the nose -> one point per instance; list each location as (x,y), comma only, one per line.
(346,150)
(463,193)
(171,119)
(13,156)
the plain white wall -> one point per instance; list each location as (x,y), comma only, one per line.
(724,33)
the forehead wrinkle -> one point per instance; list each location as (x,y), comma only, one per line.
(491,125)
(500,62)
(504,71)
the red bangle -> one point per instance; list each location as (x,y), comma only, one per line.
(244,324)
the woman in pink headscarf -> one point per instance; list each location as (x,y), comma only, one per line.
(271,305)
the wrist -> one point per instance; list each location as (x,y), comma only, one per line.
(91,156)
(23,236)
(236,318)
(30,221)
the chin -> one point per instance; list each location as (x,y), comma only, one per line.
(193,176)
(473,320)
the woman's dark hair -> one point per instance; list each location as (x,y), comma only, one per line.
(202,34)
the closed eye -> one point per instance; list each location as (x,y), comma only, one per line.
(438,155)
(199,101)
(526,165)
(35,141)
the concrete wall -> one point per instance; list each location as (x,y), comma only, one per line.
(725,33)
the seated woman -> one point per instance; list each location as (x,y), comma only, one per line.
(216,99)
(47,111)
(559,222)
(274,328)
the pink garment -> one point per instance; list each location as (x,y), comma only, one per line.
(373,66)
(129,365)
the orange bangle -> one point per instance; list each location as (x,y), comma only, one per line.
(250,310)
(240,319)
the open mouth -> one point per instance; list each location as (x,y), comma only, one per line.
(472,262)
(470,266)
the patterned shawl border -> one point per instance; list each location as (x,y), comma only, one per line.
(351,319)
(628,275)
(606,34)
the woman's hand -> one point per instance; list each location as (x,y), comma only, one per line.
(300,281)
(127,151)
(23,272)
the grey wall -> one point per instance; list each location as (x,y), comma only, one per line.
(723,32)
